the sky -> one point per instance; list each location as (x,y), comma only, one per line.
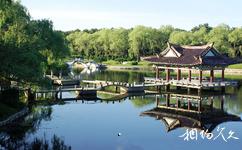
(86,14)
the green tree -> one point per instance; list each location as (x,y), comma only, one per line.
(219,35)
(19,59)
(144,41)
(235,38)
(181,37)
(27,47)
(198,37)
(205,26)
(119,43)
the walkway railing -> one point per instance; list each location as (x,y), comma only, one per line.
(194,83)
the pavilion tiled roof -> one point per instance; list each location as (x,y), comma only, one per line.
(190,56)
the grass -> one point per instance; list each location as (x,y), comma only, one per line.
(235,66)
(127,63)
(111,62)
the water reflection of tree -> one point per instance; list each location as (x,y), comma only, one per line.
(234,103)
(15,136)
(141,102)
(119,76)
(37,144)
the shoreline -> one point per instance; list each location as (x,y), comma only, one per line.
(14,116)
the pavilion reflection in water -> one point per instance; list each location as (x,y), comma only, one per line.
(190,111)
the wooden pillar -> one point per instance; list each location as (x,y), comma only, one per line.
(211,103)
(222,103)
(211,75)
(178,103)
(222,76)
(178,74)
(167,74)
(167,100)
(200,76)
(157,101)
(60,91)
(188,105)
(157,75)
(189,75)
(199,106)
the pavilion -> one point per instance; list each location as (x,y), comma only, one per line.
(190,59)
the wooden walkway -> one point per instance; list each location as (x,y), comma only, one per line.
(194,83)
(98,85)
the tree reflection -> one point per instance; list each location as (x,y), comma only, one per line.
(142,102)
(15,136)
(37,144)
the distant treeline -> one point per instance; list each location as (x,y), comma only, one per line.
(29,48)
(130,44)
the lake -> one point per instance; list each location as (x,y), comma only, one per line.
(119,125)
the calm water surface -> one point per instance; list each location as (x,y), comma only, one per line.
(96,125)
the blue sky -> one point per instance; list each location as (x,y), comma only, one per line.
(185,14)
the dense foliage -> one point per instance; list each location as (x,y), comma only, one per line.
(131,44)
(28,48)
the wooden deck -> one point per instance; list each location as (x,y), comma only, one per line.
(194,83)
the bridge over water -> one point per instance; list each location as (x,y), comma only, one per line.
(98,85)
